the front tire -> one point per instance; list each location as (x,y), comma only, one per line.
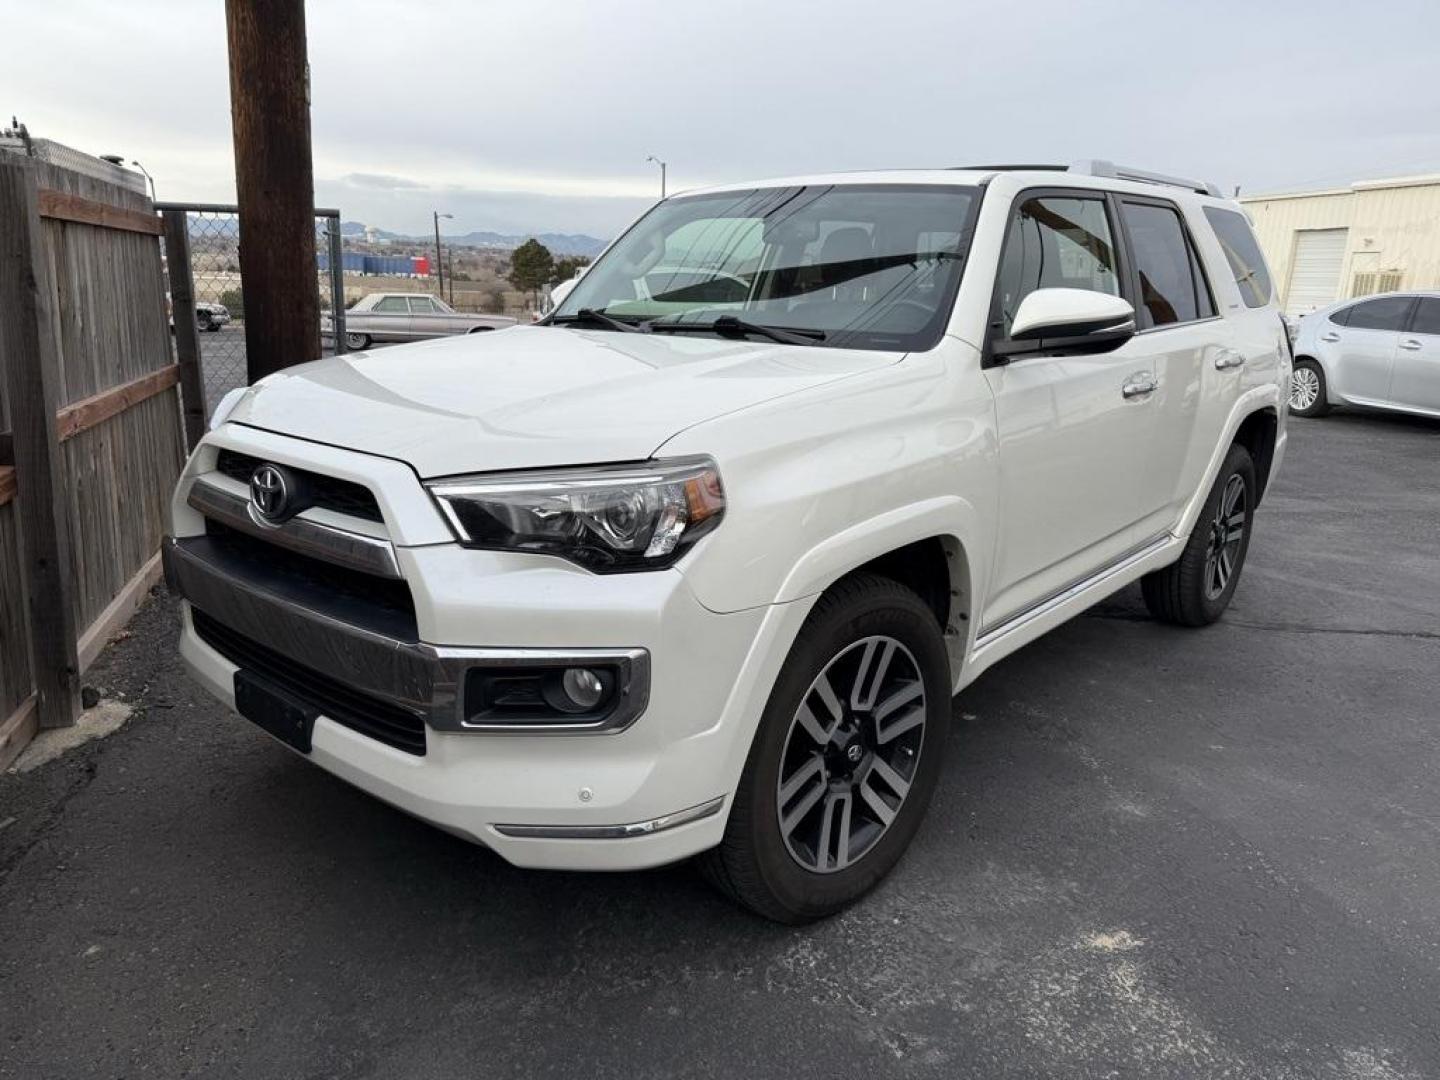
(846,757)
(1196,589)
(1307,389)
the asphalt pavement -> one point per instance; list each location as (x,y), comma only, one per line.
(1154,853)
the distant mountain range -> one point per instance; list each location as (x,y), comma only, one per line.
(558,243)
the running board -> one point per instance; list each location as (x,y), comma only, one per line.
(1072,592)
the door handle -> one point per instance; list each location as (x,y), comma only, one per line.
(1228,359)
(1330,337)
(1139,386)
(1411,344)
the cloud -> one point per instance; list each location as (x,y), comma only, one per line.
(379,181)
(551,109)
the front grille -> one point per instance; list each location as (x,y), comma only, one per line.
(381,605)
(326,492)
(380,720)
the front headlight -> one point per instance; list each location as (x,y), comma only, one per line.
(610,518)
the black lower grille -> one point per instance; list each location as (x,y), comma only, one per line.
(380,720)
(381,605)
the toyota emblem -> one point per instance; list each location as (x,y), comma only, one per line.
(270,492)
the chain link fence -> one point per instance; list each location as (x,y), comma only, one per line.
(220,294)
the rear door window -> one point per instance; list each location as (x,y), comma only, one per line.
(1056,241)
(393,304)
(1242,252)
(1386,313)
(1170,287)
(1426,319)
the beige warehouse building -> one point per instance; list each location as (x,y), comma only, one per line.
(1373,236)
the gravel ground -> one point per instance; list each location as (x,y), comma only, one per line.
(1155,853)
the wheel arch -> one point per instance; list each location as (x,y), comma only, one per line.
(929,549)
(1257,433)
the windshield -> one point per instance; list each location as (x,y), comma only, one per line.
(857,266)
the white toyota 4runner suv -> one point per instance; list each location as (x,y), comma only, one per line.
(696,565)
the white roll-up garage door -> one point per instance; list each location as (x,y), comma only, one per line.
(1315,273)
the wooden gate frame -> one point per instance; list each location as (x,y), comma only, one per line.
(31,466)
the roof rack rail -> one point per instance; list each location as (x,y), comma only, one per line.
(1011,168)
(1109,169)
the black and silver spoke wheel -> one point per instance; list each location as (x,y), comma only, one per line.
(845,758)
(1227,530)
(1196,588)
(1304,389)
(851,754)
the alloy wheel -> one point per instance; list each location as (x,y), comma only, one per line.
(1227,531)
(851,754)
(1304,388)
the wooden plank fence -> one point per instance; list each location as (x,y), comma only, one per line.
(91,437)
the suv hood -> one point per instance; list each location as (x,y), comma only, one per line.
(534,396)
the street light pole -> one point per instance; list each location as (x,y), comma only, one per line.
(147,177)
(439,258)
(657,161)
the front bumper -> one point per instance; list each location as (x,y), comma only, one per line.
(652,793)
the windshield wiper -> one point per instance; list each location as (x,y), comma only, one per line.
(590,315)
(729,325)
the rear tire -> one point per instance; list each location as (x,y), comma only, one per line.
(1196,589)
(839,776)
(357,342)
(1307,389)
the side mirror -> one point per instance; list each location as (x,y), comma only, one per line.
(1078,318)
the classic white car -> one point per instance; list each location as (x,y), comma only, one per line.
(407,317)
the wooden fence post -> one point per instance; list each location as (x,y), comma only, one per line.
(187,331)
(32,368)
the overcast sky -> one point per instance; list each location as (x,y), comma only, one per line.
(537,115)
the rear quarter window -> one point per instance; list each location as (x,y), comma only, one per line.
(1242,252)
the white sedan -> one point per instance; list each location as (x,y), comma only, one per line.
(1381,351)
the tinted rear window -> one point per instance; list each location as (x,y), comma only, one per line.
(1170,289)
(1242,253)
(1387,313)
(1427,316)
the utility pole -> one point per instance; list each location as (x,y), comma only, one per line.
(274,182)
(657,161)
(439,256)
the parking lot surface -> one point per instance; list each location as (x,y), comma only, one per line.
(1155,853)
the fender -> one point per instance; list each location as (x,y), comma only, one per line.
(949,517)
(838,554)
(1251,401)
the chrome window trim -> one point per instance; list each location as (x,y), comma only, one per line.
(324,542)
(428,680)
(614,832)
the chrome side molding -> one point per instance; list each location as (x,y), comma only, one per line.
(324,542)
(991,634)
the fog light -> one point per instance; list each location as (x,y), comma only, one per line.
(583,687)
